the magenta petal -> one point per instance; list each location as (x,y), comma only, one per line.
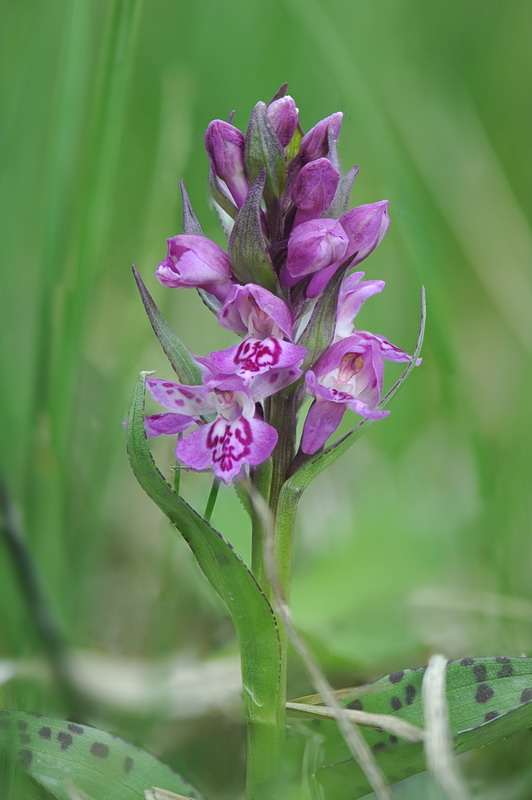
(188,400)
(225,147)
(315,245)
(315,143)
(387,350)
(283,116)
(227,446)
(365,226)
(254,310)
(322,420)
(314,187)
(193,450)
(272,382)
(254,356)
(193,261)
(353,294)
(157,424)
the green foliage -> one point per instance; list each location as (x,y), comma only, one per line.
(488,700)
(72,760)
(435,496)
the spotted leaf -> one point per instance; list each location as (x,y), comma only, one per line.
(71,760)
(488,699)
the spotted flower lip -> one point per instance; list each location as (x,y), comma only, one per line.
(235,438)
(254,310)
(253,357)
(195,262)
(348,375)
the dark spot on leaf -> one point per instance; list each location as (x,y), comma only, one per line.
(491,715)
(526,695)
(45,733)
(480,672)
(506,670)
(356,705)
(22,725)
(315,723)
(99,749)
(466,662)
(395,703)
(395,677)
(378,746)
(24,758)
(410,770)
(33,714)
(483,693)
(65,740)
(410,693)
(76,729)
(128,764)
(393,739)
(5,722)
(25,738)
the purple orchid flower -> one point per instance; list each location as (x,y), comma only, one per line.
(196,262)
(256,311)
(235,438)
(365,226)
(313,189)
(348,375)
(312,247)
(283,116)
(225,147)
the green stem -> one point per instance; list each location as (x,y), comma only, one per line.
(211,500)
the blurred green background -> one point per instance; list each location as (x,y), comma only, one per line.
(419,540)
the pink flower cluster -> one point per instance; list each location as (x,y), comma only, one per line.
(283,203)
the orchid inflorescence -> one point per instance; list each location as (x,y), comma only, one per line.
(284,287)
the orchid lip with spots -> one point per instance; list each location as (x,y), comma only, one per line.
(305,234)
(263,413)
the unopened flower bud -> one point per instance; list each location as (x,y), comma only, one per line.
(313,246)
(314,188)
(225,147)
(315,143)
(282,114)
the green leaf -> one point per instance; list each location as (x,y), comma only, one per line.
(263,150)
(219,197)
(488,699)
(191,224)
(248,251)
(68,759)
(253,617)
(340,203)
(179,357)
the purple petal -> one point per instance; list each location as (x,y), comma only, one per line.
(365,226)
(272,382)
(254,356)
(227,446)
(353,294)
(225,147)
(322,420)
(254,310)
(283,116)
(193,261)
(387,350)
(157,424)
(314,188)
(313,246)
(188,400)
(315,143)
